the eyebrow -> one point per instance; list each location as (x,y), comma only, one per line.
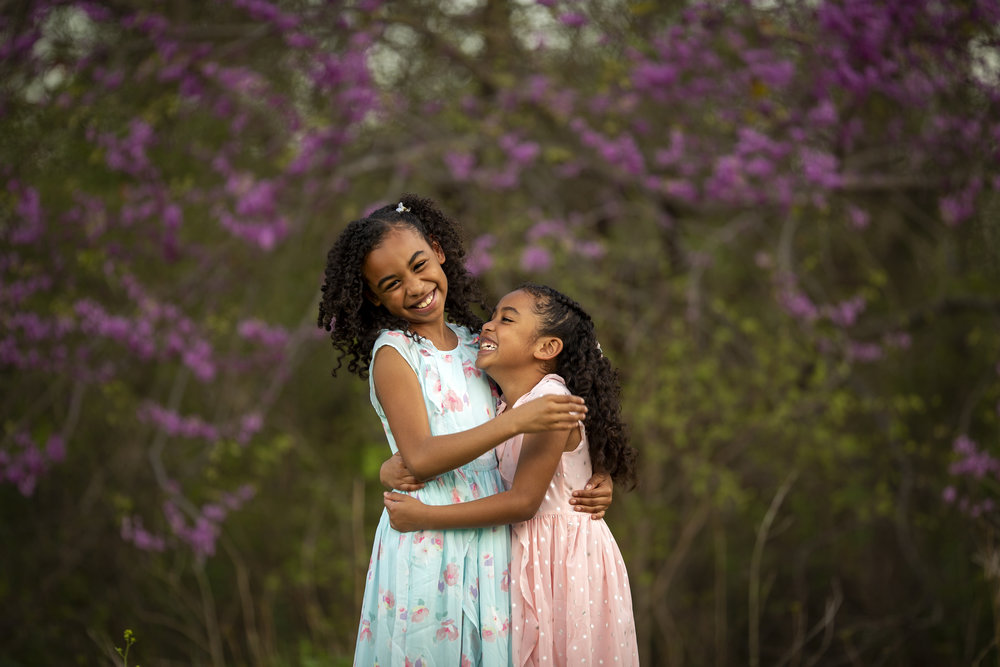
(511,309)
(413,258)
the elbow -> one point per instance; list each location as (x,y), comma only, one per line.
(524,508)
(420,466)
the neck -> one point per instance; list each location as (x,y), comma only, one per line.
(437,333)
(516,384)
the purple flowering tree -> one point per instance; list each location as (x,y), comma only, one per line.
(156,161)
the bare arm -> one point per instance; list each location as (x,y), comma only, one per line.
(426,456)
(394,475)
(536,464)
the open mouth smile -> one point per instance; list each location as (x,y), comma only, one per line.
(428,300)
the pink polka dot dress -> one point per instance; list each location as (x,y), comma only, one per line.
(570,597)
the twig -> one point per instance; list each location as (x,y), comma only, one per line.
(753,639)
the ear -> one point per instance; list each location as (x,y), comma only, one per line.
(438,251)
(548,348)
(370,295)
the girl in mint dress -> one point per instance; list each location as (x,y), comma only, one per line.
(441,597)
(432,598)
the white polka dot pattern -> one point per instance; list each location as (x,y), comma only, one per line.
(570,596)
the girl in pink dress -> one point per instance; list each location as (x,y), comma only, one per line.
(570,596)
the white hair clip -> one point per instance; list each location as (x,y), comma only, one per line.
(599,348)
(402,209)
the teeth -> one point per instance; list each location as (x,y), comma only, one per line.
(487,346)
(426,302)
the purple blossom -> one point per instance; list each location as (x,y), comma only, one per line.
(573,19)
(820,168)
(673,153)
(845,313)
(174,424)
(30,224)
(133,531)
(864,352)
(960,206)
(546,228)
(520,152)
(823,114)
(860,218)
(23,463)
(479,260)
(684,190)
(128,154)
(949,494)
(259,332)
(972,462)
(900,340)
(590,249)
(249,425)
(795,302)
(459,164)
(535,259)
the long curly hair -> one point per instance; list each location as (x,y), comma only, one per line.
(590,375)
(353,321)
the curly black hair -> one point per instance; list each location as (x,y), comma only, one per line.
(353,321)
(590,375)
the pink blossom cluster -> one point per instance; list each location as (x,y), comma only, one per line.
(24,460)
(96,270)
(264,334)
(177,425)
(718,63)
(478,260)
(133,530)
(174,424)
(976,466)
(28,224)
(202,531)
(129,153)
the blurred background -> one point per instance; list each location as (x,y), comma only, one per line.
(783,216)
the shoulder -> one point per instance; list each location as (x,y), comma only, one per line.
(399,341)
(391,337)
(550,384)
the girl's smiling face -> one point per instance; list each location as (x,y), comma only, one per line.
(510,340)
(404,275)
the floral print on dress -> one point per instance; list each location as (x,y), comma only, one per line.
(470,370)
(452,402)
(447,631)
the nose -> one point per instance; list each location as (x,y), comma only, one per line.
(488,325)
(413,286)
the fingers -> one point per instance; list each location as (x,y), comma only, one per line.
(566,398)
(407,486)
(593,496)
(572,404)
(590,506)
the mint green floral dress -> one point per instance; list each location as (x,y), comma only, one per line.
(440,598)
